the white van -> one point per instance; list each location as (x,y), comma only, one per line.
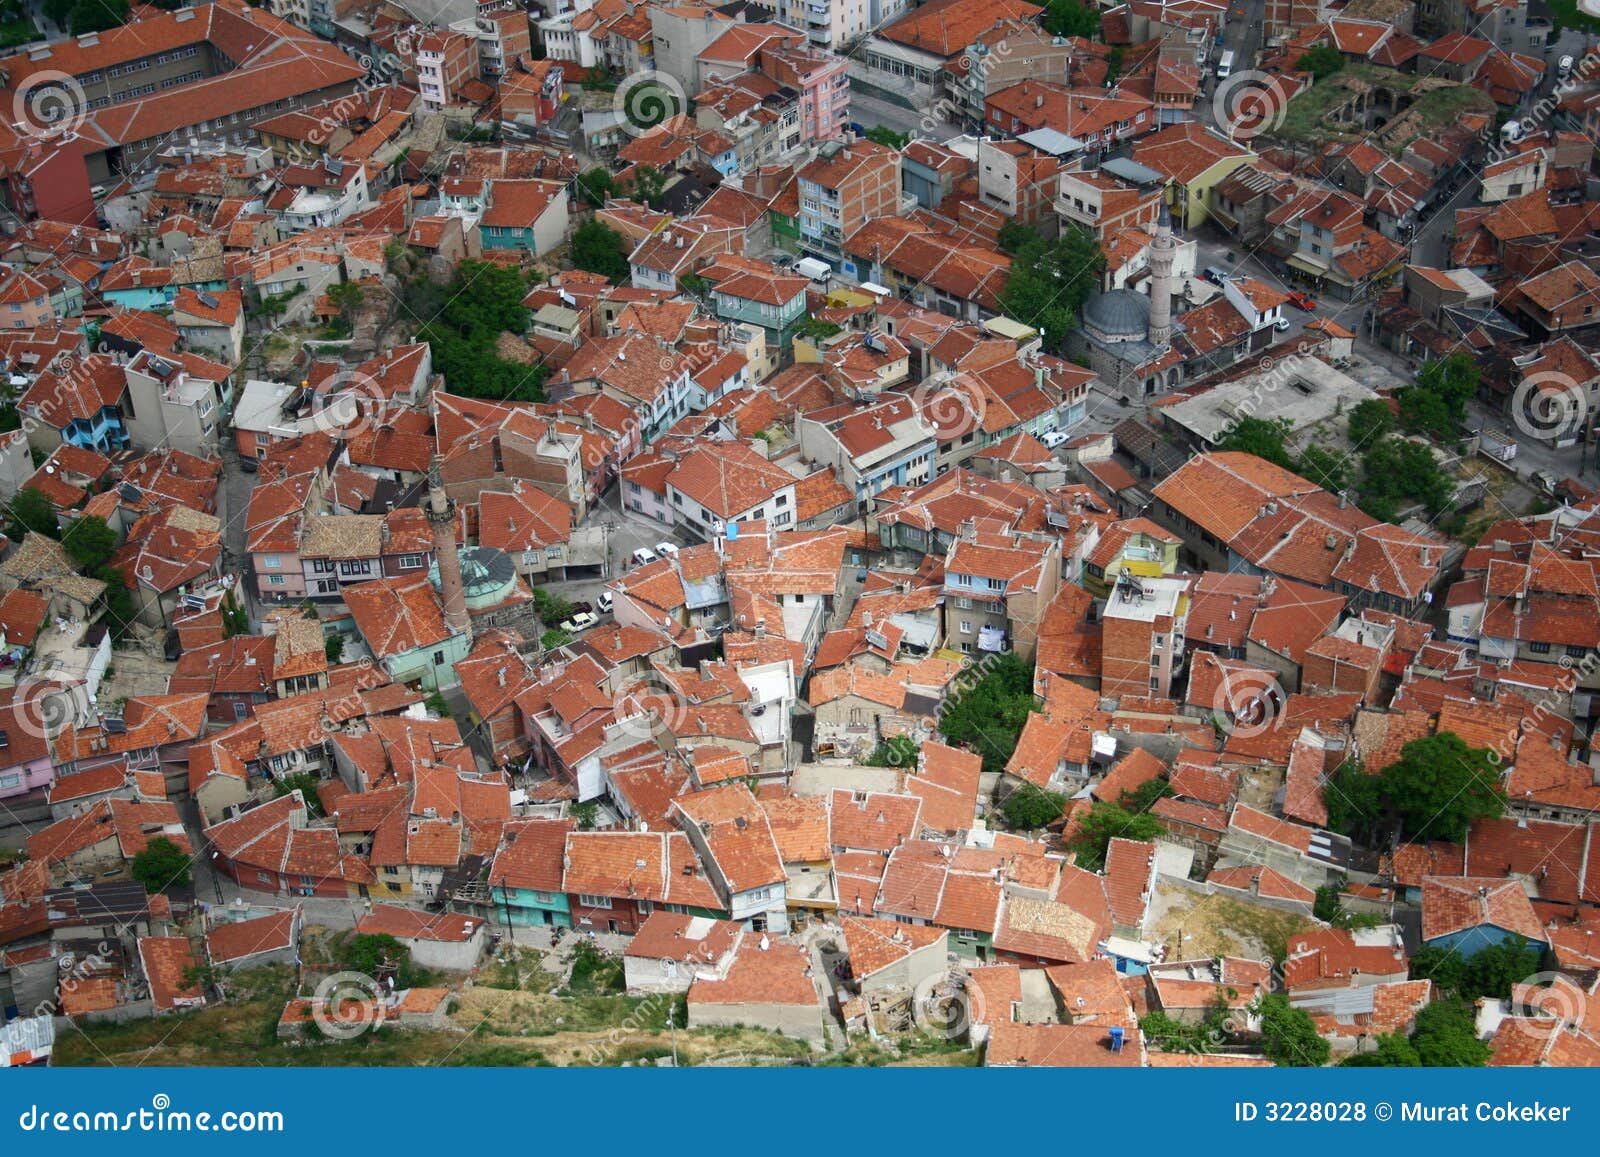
(1225,65)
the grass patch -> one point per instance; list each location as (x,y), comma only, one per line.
(594,973)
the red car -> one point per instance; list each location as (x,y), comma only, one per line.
(1302,301)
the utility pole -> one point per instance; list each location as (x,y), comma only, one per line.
(672,1027)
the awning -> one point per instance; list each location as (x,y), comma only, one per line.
(1306,265)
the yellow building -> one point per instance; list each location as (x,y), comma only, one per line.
(1193,160)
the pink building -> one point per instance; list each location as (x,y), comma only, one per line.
(821,79)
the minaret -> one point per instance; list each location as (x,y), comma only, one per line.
(442,520)
(1162,250)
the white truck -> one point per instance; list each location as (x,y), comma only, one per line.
(1225,65)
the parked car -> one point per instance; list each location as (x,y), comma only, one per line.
(1281,325)
(1302,301)
(579,622)
(666,549)
(172,648)
(1054,438)
(1215,274)
(604,602)
(644,554)
(581,606)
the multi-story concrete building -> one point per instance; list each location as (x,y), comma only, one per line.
(843,188)
(1143,637)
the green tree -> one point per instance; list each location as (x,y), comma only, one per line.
(482,301)
(1493,970)
(1289,1036)
(371,952)
(1263,437)
(1437,402)
(1070,18)
(988,715)
(1397,473)
(1014,235)
(438,705)
(1143,797)
(347,297)
(1439,786)
(597,248)
(90,542)
(1393,1052)
(883,135)
(596,186)
(553,638)
(31,510)
(1049,282)
(1446,1037)
(1354,799)
(896,751)
(161,865)
(306,784)
(120,608)
(1104,822)
(550,608)
(334,647)
(586,814)
(1436,790)
(97,15)
(1028,808)
(1369,421)
(649,184)
(1321,61)
(1327,469)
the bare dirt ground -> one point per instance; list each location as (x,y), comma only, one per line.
(136,669)
(1193,926)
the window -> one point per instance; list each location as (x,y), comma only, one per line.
(966,626)
(410,561)
(438,658)
(594,901)
(1577,652)
(275,580)
(1539,648)
(272,562)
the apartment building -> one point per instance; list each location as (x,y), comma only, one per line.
(841,189)
(996,589)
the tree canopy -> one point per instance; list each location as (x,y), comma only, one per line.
(1104,822)
(1029,808)
(1263,437)
(1321,61)
(161,865)
(896,751)
(31,510)
(1369,421)
(481,302)
(1397,473)
(988,715)
(1436,403)
(884,135)
(1488,972)
(1049,282)
(1070,18)
(90,541)
(597,248)
(1289,1036)
(1435,790)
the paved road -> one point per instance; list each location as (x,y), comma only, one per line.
(870,111)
